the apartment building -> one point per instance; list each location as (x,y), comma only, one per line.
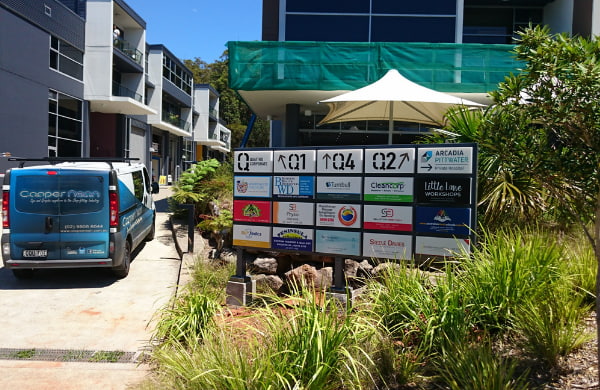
(74,88)
(211,135)
(313,50)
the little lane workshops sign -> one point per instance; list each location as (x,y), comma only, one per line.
(387,202)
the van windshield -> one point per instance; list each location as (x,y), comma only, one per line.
(59,195)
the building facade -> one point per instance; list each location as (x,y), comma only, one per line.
(79,80)
(313,50)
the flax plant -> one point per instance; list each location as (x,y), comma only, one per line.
(551,325)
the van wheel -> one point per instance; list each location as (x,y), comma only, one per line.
(152,232)
(23,273)
(123,270)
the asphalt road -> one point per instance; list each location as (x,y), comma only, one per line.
(64,329)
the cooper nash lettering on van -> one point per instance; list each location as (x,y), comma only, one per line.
(61,196)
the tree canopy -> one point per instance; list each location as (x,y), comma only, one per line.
(232,109)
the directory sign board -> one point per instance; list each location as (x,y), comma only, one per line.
(450,160)
(252,186)
(340,161)
(246,161)
(293,239)
(387,246)
(389,201)
(252,211)
(338,215)
(298,187)
(294,213)
(388,217)
(338,242)
(390,160)
(441,246)
(252,236)
(294,161)
(388,189)
(449,190)
(342,188)
(444,220)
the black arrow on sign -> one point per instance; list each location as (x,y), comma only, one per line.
(428,167)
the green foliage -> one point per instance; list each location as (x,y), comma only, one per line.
(478,367)
(199,186)
(232,109)
(218,225)
(552,324)
(186,321)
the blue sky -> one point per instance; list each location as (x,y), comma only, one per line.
(199,28)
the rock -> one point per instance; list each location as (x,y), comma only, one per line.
(326,278)
(365,269)
(228,256)
(272,282)
(307,276)
(264,265)
(351,268)
(383,267)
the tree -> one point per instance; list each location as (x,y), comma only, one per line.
(233,110)
(556,98)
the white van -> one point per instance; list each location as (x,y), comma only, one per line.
(76,213)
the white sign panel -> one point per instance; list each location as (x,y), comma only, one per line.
(341,161)
(253,161)
(441,246)
(252,236)
(252,186)
(390,160)
(387,246)
(338,215)
(339,187)
(388,189)
(294,161)
(337,242)
(387,217)
(447,160)
(293,213)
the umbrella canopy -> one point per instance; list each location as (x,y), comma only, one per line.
(393,98)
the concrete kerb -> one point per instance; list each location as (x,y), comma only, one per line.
(188,259)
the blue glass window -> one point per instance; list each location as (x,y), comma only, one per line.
(327,28)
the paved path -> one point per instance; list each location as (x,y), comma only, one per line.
(62,316)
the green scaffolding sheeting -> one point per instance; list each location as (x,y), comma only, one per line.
(330,66)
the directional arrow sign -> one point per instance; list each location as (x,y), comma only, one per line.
(390,160)
(445,160)
(295,161)
(341,161)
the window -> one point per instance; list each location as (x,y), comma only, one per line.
(66,58)
(138,185)
(64,125)
(176,74)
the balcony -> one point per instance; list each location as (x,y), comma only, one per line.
(219,138)
(173,123)
(126,48)
(120,90)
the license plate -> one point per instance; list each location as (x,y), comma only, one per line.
(35,253)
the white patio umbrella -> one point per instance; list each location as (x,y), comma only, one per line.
(393,98)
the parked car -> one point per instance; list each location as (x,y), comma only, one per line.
(76,213)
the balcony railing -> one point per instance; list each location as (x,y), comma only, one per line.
(176,121)
(120,90)
(126,48)
(213,133)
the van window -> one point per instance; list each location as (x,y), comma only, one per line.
(138,185)
(72,194)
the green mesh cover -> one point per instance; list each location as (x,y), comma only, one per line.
(331,66)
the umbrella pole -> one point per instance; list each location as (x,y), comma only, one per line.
(391,124)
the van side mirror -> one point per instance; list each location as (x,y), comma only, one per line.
(155,187)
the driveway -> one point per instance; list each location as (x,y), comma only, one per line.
(82,328)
